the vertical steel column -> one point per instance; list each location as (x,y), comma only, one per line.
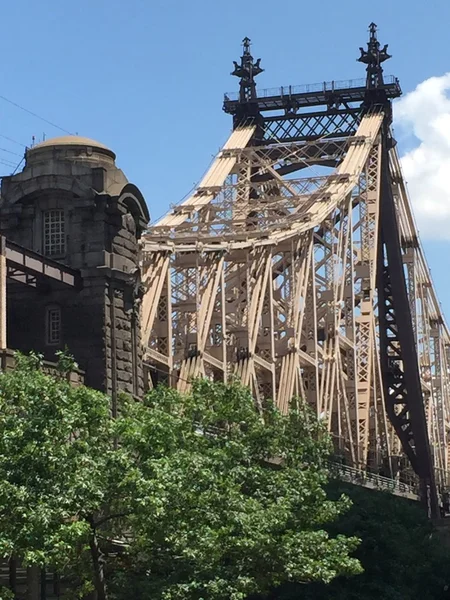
(399,362)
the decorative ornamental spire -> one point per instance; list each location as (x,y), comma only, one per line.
(247,71)
(373,57)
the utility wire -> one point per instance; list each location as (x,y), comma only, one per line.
(9,167)
(30,112)
(11,152)
(5,137)
(15,170)
(7,162)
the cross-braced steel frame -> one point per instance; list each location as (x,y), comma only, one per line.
(296,266)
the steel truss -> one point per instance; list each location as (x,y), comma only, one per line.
(296,266)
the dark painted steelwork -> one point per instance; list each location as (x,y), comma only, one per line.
(28,266)
(374,57)
(303,113)
(398,354)
(310,126)
(285,115)
(247,71)
(247,105)
(331,94)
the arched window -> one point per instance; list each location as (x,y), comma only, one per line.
(53,326)
(54,233)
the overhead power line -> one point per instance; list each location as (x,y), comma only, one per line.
(5,137)
(7,163)
(6,160)
(18,165)
(10,152)
(30,112)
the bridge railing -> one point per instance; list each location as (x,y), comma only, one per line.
(311,88)
(372,480)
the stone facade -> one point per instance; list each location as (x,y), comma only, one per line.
(72,204)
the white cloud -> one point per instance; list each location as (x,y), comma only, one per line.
(425,113)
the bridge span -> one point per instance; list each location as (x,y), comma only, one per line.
(296,266)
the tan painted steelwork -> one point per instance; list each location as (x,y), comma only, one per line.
(272,279)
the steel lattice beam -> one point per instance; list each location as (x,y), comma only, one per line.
(309,126)
(313,284)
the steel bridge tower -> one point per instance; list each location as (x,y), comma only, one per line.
(296,266)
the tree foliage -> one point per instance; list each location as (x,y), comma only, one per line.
(55,450)
(178,498)
(403,556)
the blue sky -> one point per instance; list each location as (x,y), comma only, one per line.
(147,77)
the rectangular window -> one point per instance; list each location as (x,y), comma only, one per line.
(53,326)
(54,233)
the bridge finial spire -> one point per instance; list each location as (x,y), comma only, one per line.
(373,57)
(247,71)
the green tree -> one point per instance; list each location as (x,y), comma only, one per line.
(222,518)
(182,497)
(56,467)
(403,556)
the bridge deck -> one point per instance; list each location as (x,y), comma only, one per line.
(373,481)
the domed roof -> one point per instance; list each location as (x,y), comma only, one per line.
(72,140)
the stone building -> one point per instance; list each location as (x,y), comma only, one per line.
(74,209)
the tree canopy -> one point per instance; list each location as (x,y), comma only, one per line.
(403,556)
(178,498)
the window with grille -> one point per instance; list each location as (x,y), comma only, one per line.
(53,326)
(54,233)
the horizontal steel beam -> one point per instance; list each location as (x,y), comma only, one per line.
(30,264)
(310,126)
(327,94)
